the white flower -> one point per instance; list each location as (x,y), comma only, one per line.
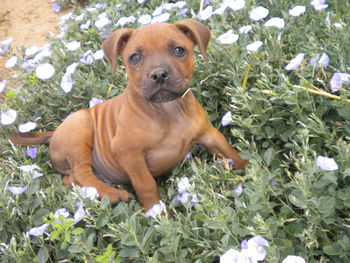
(226,119)
(42,54)
(326,164)
(320,60)
(297,10)
(17,190)
(8,117)
(66,82)
(238,190)
(275,22)
(31,169)
(259,13)
(98,54)
(140,1)
(228,38)
(26,127)
(295,62)
(337,80)
(102,22)
(71,68)
(32,51)
(156,210)
(245,29)
(161,18)
(73,45)
(44,71)
(145,19)
(293,259)
(5,45)
(2,85)
(94,101)
(254,46)
(11,62)
(86,25)
(38,231)
(89,192)
(319,5)
(206,13)
(338,25)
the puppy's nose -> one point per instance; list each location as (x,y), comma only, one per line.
(159,74)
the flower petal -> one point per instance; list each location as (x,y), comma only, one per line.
(156,210)
(206,13)
(145,19)
(125,20)
(297,10)
(94,101)
(32,152)
(230,256)
(102,22)
(11,62)
(295,62)
(254,46)
(17,190)
(31,51)
(38,231)
(44,71)
(73,45)
(319,5)
(2,85)
(238,190)
(259,13)
(89,192)
(226,119)
(80,213)
(161,18)
(337,80)
(184,185)
(8,117)
(28,168)
(293,259)
(26,127)
(228,38)
(276,22)
(258,243)
(320,60)
(61,212)
(245,29)
(326,164)
(98,54)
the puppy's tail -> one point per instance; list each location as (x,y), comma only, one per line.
(31,138)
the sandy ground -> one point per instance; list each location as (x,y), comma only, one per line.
(28,22)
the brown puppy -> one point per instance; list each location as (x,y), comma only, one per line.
(142,133)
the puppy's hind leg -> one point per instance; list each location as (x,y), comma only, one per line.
(71,154)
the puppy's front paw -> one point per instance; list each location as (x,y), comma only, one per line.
(241,164)
(116,195)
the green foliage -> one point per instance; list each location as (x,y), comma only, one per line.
(299,208)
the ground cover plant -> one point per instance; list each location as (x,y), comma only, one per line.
(276,84)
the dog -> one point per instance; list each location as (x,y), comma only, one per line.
(142,133)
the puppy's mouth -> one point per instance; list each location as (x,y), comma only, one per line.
(164,95)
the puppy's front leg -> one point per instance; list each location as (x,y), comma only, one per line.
(216,143)
(134,165)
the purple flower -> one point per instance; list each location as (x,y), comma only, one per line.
(245,29)
(295,62)
(94,101)
(31,169)
(187,198)
(87,58)
(188,156)
(338,79)
(125,20)
(86,25)
(156,210)
(32,152)
(66,81)
(38,231)
(2,85)
(17,190)
(320,60)
(80,213)
(226,119)
(31,51)
(80,17)
(56,7)
(102,22)
(184,185)
(238,190)
(5,45)
(161,18)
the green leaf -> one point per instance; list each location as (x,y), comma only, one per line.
(102,220)
(269,155)
(326,204)
(77,231)
(129,253)
(43,255)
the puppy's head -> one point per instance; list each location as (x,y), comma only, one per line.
(159,57)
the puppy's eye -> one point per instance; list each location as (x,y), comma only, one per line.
(135,59)
(179,51)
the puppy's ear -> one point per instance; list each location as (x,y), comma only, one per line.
(199,33)
(114,44)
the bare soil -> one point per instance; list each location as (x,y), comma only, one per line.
(28,22)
